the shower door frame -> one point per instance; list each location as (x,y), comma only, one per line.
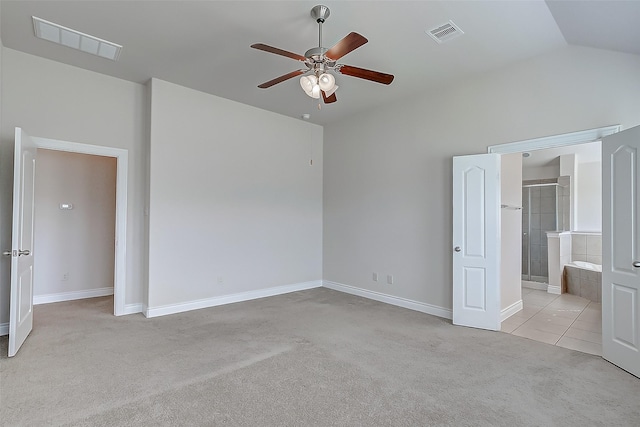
(529,210)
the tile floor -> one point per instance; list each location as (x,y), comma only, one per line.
(564,320)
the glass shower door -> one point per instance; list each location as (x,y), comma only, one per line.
(526,267)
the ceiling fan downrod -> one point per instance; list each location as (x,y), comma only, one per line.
(320,13)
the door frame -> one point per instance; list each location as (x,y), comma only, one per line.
(555,141)
(122,171)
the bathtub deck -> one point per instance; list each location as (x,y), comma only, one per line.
(564,320)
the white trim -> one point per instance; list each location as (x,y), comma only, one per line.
(4,329)
(511,310)
(229,299)
(133,308)
(562,140)
(72,295)
(554,289)
(122,172)
(390,299)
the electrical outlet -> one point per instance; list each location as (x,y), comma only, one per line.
(220,280)
(65,277)
(390,279)
(374,277)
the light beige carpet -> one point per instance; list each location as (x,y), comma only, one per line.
(312,358)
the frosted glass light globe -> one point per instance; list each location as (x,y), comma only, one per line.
(307,83)
(326,81)
(315,92)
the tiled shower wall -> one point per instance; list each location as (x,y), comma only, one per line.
(564,203)
(586,247)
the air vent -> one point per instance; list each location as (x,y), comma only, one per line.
(75,39)
(445,32)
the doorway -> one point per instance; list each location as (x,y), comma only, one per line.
(558,214)
(74,226)
(121,178)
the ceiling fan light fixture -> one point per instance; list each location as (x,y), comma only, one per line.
(307,83)
(315,92)
(326,81)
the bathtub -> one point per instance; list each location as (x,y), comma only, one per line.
(586,265)
(583,279)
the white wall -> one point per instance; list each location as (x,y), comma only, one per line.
(53,100)
(589,199)
(232,196)
(388,173)
(511,230)
(541,172)
(74,249)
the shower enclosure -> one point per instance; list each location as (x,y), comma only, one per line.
(543,208)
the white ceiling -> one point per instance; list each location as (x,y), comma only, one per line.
(204,45)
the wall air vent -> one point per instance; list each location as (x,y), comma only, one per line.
(445,32)
(75,39)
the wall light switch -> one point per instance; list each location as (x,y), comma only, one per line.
(374,276)
(390,279)
(66,206)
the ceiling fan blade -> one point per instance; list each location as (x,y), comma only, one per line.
(281,79)
(277,51)
(362,73)
(349,43)
(328,99)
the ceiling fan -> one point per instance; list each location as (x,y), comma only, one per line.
(317,79)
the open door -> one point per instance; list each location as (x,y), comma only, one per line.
(476,241)
(620,250)
(21,311)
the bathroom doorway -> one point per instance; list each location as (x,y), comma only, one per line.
(561,201)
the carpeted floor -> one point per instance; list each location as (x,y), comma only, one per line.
(311,358)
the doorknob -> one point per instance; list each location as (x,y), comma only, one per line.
(457,249)
(6,253)
(24,252)
(636,264)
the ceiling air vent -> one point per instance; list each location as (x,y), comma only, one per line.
(445,32)
(75,39)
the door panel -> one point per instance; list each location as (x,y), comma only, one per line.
(620,240)
(476,232)
(21,310)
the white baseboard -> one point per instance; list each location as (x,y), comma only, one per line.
(4,329)
(132,309)
(229,299)
(554,289)
(511,310)
(534,285)
(73,295)
(390,299)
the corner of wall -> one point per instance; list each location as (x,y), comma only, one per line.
(147,196)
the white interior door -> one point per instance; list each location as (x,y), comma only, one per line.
(620,251)
(476,241)
(21,311)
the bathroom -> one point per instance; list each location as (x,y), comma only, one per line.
(562,220)
(561,248)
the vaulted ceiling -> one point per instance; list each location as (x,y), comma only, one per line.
(205,45)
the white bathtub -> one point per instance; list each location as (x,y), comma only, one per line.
(586,265)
